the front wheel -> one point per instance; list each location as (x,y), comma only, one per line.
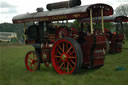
(32,61)
(66,56)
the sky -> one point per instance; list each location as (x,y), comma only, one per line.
(10,8)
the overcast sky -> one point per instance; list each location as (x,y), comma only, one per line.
(10,8)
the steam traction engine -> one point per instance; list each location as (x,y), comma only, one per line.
(65,47)
(114,40)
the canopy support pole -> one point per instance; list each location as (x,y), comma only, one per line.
(91,21)
(24,27)
(102,20)
(24,31)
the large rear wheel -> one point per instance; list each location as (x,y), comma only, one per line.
(66,56)
(32,61)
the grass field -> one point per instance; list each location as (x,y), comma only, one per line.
(13,71)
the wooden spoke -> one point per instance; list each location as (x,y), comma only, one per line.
(31,65)
(67,66)
(64,67)
(71,52)
(70,65)
(73,62)
(61,65)
(73,57)
(58,51)
(33,56)
(60,48)
(57,56)
(29,61)
(69,49)
(29,58)
(63,47)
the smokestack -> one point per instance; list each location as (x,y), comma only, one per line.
(39,9)
(65,4)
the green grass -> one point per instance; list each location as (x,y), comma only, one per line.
(13,71)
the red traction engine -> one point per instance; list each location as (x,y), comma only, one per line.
(65,47)
(116,39)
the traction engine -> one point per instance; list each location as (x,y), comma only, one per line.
(67,48)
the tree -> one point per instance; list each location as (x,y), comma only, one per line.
(122,10)
(76,24)
(8,27)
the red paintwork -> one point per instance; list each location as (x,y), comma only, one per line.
(121,18)
(93,45)
(86,47)
(99,57)
(116,41)
(106,30)
(74,30)
(30,61)
(60,48)
(61,32)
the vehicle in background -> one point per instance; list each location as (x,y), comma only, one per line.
(8,37)
(114,39)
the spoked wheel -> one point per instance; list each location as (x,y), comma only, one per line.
(32,61)
(66,56)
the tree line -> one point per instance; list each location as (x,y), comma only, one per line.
(8,27)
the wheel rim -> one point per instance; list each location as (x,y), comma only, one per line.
(31,61)
(64,59)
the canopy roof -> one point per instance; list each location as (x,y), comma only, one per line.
(112,18)
(121,18)
(65,13)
